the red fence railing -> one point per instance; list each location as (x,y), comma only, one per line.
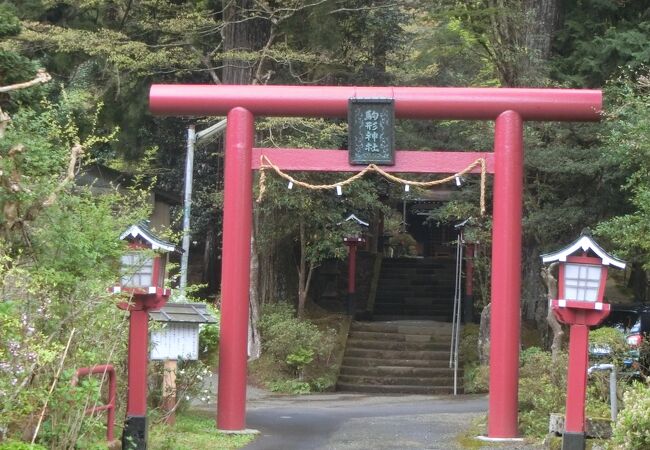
(110,404)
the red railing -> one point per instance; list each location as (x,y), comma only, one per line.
(110,405)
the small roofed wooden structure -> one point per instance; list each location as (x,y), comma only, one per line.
(179,338)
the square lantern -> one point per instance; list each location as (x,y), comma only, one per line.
(143,267)
(582,273)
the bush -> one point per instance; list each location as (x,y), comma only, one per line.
(477,379)
(300,351)
(17,445)
(632,429)
(209,339)
(542,390)
(614,340)
(290,386)
(192,383)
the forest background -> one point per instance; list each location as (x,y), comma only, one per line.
(59,246)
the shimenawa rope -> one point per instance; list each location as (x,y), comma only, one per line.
(265,163)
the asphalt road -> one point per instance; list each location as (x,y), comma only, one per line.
(360,422)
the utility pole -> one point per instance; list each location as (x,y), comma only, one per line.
(193,139)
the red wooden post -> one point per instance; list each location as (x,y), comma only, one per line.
(352,268)
(138,357)
(235,272)
(577,378)
(352,243)
(506,276)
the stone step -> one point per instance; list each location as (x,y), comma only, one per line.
(400,337)
(351,361)
(401,290)
(427,327)
(398,317)
(391,381)
(395,389)
(433,305)
(399,280)
(412,312)
(394,345)
(394,354)
(395,371)
(417,262)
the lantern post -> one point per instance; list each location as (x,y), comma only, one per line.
(353,241)
(143,280)
(582,277)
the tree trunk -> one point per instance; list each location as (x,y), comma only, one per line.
(484,336)
(534,294)
(243,33)
(556,327)
(302,272)
(542,20)
(254,341)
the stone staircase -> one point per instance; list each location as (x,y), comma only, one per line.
(408,357)
(415,288)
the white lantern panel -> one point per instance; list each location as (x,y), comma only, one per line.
(582,282)
(175,341)
(137,270)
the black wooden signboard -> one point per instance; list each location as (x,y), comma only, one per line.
(371,130)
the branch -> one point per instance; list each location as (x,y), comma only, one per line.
(41,77)
(76,151)
(206,62)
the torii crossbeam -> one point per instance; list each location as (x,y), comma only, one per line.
(509,108)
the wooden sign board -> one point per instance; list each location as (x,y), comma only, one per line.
(371,131)
(175,341)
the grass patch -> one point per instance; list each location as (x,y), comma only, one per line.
(194,430)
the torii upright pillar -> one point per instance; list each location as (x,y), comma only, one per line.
(506,276)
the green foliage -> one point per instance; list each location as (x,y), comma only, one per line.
(193,382)
(611,338)
(542,390)
(295,349)
(476,378)
(18,445)
(468,347)
(209,341)
(60,251)
(193,431)
(283,334)
(295,387)
(598,37)
(629,146)
(300,358)
(632,428)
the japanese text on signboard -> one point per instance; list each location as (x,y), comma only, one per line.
(371,131)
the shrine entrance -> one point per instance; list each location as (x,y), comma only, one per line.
(508,108)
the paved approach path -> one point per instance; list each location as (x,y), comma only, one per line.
(346,421)
(361,422)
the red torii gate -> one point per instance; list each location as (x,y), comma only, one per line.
(509,108)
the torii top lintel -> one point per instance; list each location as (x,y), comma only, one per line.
(410,102)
